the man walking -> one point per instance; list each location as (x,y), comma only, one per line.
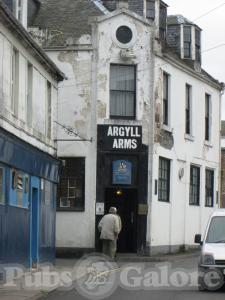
(110,227)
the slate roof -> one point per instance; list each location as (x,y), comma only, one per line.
(67,18)
(18,30)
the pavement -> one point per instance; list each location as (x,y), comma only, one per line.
(35,284)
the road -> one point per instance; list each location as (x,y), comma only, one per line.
(139,278)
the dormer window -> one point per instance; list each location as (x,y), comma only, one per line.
(18,10)
(187,42)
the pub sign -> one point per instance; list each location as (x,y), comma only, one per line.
(120,137)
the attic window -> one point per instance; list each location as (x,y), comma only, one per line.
(124,34)
(187,41)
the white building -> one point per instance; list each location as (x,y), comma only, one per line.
(28,163)
(147,118)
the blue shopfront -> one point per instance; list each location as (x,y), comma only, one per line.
(28,179)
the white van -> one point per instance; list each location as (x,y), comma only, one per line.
(212,261)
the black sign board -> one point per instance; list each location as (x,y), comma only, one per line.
(120,137)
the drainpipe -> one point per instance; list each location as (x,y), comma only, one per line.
(219,184)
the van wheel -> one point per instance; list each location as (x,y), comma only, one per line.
(201,284)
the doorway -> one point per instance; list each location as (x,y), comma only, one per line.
(34,228)
(125,200)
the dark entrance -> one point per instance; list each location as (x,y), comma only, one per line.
(125,200)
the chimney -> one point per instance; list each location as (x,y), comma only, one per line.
(122,4)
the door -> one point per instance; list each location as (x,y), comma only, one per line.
(34,224)
(125,200)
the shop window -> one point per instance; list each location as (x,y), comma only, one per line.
(19,192)
(122,91)
(70,196)
(164,180)
(2,186)
(194,185)
(209,188)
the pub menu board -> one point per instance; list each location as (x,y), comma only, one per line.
(120,137)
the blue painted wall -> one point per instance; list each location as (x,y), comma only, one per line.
(35,169)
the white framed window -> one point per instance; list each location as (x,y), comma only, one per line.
(188,109)
(208,112)
(14,80)
(166,99)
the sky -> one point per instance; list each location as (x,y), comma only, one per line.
(210,17)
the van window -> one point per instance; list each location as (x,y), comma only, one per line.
(216,232)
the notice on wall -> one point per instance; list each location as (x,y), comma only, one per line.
(100,208)
(120,137)
(122,172)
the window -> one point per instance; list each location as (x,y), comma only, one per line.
(162,21)
(188,109)
(70,196)
(2,186)
(150,9)
(29,94)
(209,188)
(164,179)
(49,110)
(122,91)
(18,9)
(19,191)
(198,45)
(15,81)
(187,42)
(194,185)
(207,117)
(124,34)
(165,99)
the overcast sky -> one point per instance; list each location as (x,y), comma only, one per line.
(213,34)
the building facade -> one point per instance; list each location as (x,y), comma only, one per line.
(28,164)
(138,124)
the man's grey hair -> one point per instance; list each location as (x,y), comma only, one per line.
(113,210)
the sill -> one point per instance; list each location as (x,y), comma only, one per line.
(167,128)
(189,137)
(209,206)
(122,118)
(164,201)
(208,144)
(71,209)
(192,204)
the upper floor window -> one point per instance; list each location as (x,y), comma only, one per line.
(29,94)
(122,91)
(164,179)
(198,45)
(188,109)
(194,192)
(71,187)
(209,188)
(15,80)
(150,9)
(48,109)
(207,116)
(187,41)
(165,98)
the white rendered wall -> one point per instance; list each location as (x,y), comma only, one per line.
(175,223)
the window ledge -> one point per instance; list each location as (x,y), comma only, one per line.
(189,137)
(208,144)
(167,128)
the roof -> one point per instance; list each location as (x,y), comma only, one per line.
(172,55)
(67,17)
(17,29)
(179,19)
